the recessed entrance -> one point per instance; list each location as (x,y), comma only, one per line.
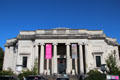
(61,65)
(61,52)
(61,49)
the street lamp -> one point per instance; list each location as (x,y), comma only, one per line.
(103,68)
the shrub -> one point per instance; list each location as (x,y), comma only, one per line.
(95,75)
(25,74)
(6,72)
(35,68)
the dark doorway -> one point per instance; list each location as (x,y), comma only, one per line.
(61,65)
(39,59)
(84,58)
(61,49)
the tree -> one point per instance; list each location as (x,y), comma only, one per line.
(95,75)
(112,65)
(1,58)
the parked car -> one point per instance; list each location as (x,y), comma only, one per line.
(7,77)
(63,77)
(35,78)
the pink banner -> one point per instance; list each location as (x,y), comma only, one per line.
(48,51)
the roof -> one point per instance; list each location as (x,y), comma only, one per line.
(62,33)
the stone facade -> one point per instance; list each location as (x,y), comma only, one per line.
(31,44)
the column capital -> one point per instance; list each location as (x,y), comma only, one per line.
(67,43)
(35,44)
(83,43)
(41,44)
(11,47)
(80,43)
(55,43)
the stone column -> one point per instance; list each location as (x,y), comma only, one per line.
(81,58)
(86,56)
(11,57)
(54,64)
(42,58)
(48,73)
(76,66)
(33,55)
(36,52)
(19,60)
(16,56)
(6,58)
(68,58)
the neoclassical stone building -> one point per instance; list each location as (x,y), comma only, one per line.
(59,51)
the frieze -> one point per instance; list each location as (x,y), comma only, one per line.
(63,34)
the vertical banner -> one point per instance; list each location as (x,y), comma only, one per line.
(48,51)
(74,51)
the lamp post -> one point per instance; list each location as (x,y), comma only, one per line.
(103,68)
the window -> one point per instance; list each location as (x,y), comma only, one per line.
(24,62)
(98,61)
(98,56)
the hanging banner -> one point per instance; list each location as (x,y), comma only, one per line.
(48,51)
(74,51)
(112,77)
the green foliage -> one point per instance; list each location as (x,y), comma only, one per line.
(35,68)
(27,72)
(7,72)
(95,75)
(1,58)
(112,65)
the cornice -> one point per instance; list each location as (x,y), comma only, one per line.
(62,33)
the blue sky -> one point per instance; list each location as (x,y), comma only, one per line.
(17,15)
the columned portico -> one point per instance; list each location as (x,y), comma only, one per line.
(52,64)
(54,60)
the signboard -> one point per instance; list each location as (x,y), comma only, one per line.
(48,51)
(19,68)
(112,77)
(74,51)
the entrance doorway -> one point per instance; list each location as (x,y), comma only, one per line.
(61,65)
(61,50)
